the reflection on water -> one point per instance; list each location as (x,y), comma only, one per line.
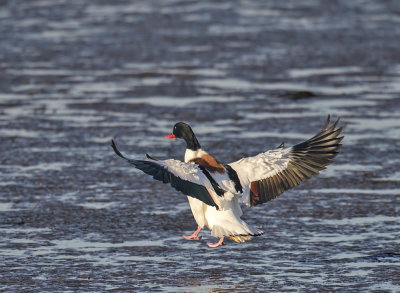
(246,76)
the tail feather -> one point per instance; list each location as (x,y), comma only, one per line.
(239,239)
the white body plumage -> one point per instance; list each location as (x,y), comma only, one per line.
(224,222)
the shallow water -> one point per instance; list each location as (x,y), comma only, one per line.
(246,76)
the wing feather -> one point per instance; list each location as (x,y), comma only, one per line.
(184,177)
(278,170)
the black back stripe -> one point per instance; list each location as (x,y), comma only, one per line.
(218,190)
(235,178)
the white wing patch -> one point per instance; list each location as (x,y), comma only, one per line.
(186,171)
(261,166)
(269,174)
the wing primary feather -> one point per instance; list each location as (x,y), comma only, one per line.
(291,181)
(328,120)
(273,187)
(150,157)
(295,175)
(334,125)
(278,185)
(267,189)
(114,146)
(283,180)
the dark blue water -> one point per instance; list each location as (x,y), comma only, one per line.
(246,75)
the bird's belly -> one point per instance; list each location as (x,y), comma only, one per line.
(226,222)
(214,217)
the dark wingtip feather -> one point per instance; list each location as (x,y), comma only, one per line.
(328,120)
(114,146)
(150,157)
(334,125)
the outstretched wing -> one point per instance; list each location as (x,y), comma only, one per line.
(184,177)
(269,174)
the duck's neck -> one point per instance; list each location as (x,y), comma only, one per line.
(191,141)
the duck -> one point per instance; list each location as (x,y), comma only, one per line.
(215,190)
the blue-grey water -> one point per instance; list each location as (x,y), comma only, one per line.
(246,75)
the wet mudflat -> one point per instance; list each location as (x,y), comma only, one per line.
(246,76)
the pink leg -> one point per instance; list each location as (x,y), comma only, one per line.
(219,243)
(194,235)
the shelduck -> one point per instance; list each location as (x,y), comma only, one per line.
(214,189)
